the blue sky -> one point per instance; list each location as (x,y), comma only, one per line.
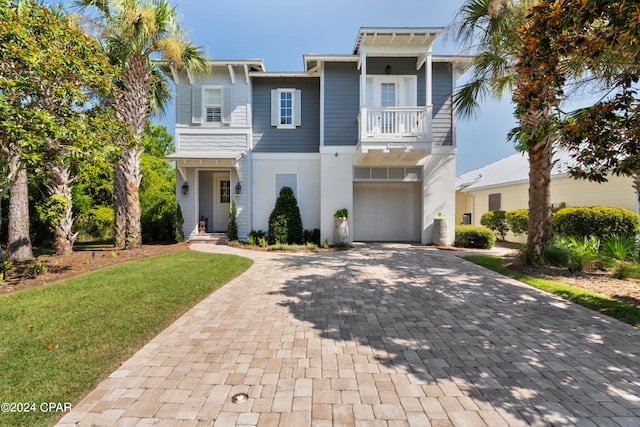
(281,31)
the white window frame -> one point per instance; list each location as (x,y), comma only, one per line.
(276,108)
(205,106)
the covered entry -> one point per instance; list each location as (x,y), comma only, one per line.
(387,204)
(214,189)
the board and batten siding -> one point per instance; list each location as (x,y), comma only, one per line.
(219,77)
(302,139)
(341,103)
(215,142)
(442,107)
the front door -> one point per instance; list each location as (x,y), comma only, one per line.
(222,201)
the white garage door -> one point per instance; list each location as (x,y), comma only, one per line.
(384,211)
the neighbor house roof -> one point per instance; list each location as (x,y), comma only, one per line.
(510,170)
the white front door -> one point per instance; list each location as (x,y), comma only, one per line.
(221,201)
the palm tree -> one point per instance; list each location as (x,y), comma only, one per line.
(133,32)
(491,28)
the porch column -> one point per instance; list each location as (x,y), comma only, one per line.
(429,91)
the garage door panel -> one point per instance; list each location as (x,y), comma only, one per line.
(386,211)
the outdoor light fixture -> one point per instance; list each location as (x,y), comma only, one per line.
(388,69)
(185,188)
(238,188)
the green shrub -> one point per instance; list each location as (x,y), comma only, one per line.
(556,256)
(96,224)
(232,227)
(580,251)
(496,221)
(286,215)
(311,236)
(278,230)
(472,236)
(599,221)
(620,247)
(518,220)
(625,270)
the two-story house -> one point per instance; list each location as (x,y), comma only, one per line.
(372,131)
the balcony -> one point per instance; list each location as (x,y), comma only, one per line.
(395,135)
(395,124)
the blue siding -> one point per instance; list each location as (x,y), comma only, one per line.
(341,103)
(269,139)
(442,112)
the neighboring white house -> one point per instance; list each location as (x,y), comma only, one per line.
(372,131)
(504,185)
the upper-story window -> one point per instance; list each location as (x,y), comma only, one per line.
(286,108)
(211,105)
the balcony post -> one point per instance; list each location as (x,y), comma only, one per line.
(429,89)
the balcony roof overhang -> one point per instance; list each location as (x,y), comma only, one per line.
(206,159)
(392,153)
(385,39)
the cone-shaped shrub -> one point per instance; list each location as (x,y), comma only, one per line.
(285,217)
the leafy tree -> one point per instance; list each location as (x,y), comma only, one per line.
(605,137)
(232,228)
(285,222)
(558,34)
(50,77)
(496,221)
(134,30)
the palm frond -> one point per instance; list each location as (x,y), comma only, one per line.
(101,5)
(160,93)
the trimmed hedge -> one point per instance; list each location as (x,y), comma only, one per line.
(473,236)
(518,220)
(495,221)
(599,221)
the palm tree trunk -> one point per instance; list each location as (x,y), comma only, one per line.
(120,205)
(19,243)
(540,231)
(60,186)
(131,169)
(132,107)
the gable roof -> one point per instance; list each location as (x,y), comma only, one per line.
(509,170)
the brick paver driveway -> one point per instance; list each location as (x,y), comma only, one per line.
(381,335)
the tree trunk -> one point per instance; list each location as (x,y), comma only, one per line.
(19,243)
(540,230)
(131,167)
(131,106)
(60,186)
(120,205)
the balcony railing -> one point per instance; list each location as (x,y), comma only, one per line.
(395,123)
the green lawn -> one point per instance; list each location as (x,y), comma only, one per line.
(611,307)
(58,341)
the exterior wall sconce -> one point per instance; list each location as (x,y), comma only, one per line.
(388,69)
(238,188)
(185,188)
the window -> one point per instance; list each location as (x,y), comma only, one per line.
(225,191)
(287,180)
(494,202)
(285,108)
(213,105)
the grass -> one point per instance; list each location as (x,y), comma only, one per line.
(611,307)
(58,341)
